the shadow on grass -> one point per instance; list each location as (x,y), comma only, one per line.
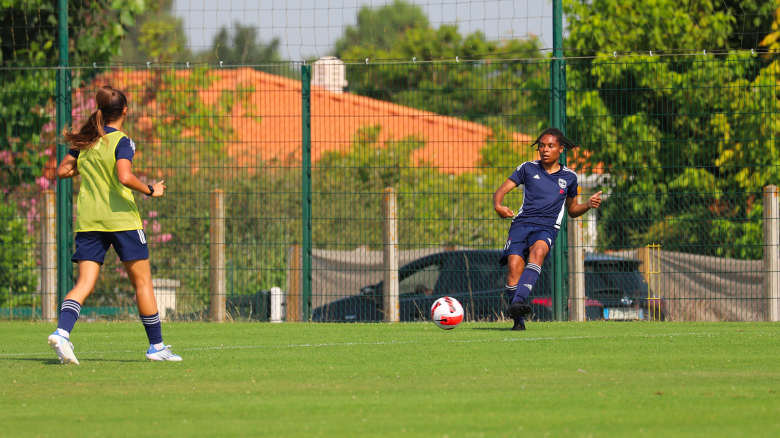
(49,361)
(494,329)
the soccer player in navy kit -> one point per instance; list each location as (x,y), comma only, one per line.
(550,190)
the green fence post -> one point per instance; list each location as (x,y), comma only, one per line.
(65,186)
(306,193)
(558,119)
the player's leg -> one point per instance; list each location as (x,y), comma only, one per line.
(515,267)
(536,255)
(90,253)
(515,252)
(134,254)
(140,274)
(59,341)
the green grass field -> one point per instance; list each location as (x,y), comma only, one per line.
(335,380)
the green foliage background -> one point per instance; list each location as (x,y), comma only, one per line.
(689,141)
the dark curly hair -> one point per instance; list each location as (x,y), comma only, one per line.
(555,132)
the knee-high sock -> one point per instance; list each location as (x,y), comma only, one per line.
(527,282)
(510,292)
(69,314)
(153,328)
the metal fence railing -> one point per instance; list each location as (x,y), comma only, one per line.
(293,171)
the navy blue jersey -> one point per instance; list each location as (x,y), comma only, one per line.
(544,196)
(125,149)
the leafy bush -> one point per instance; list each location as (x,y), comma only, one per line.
(18,266)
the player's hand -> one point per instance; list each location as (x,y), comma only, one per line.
(159,189)
(504,211)
(595,200)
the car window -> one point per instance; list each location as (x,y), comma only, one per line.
(593,280)
(422,282)
(487,276)
(453,279)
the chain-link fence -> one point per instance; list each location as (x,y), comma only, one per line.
(299,192)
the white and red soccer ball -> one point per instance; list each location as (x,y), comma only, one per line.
(447,313)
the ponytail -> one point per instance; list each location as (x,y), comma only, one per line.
(110,106)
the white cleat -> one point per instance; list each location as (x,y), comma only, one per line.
(163,355)
(63,348)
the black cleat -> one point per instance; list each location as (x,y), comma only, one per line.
(518,310)
(519,326)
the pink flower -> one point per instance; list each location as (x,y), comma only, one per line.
(42,182)
(153,213)
(33,201)
(156,227)
(32,216)
(7,157)
(146,223)
(163,238)
(47,152)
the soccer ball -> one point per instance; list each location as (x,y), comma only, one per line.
(447,313)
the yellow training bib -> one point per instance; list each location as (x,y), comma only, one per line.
(104,204)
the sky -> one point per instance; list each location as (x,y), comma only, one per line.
(309,28)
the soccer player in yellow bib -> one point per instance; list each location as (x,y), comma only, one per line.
(107,215)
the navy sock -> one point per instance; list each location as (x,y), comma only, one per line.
(510,292)
(69,314)
(527,282)
(153,328)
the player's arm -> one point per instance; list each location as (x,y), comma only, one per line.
(124,169)
(498,199)
(576,209)
(68,168)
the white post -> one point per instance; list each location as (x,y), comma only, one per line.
(390,249)
(576,269)
(48,256)
(276,304)
(217,256)
(165,295)
(772,253)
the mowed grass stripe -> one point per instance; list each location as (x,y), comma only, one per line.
(350,344)
(586,379)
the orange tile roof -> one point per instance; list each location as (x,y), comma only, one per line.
(267,120)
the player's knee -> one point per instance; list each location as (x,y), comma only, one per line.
(515,264)
(538,253)
(142,283)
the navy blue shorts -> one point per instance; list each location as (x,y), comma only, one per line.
(521,239)
(93,245)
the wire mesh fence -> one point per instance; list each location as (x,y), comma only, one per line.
(292,165)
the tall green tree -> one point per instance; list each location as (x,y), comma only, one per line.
(379,29)
(242,45)
(482,88)
(684,138)
(158,36)
(28,30)
(598,26)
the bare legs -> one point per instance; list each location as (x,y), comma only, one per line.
(138,271)
(537,253)
(140,274)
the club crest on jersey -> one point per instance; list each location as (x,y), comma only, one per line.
(562,183)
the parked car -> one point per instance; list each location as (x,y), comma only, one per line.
(619,286)
(614,289)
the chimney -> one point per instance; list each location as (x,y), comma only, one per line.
(330,73)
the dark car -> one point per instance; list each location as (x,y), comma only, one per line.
(619,286)
(476,280)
